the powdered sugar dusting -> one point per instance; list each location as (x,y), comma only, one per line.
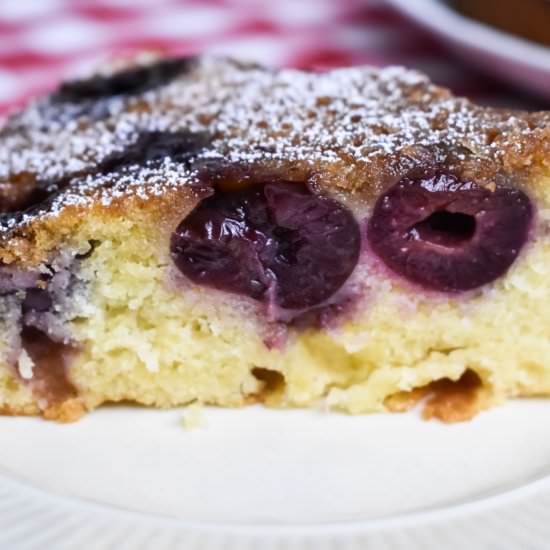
(357,115)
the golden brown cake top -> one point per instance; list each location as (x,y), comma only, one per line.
(354,130)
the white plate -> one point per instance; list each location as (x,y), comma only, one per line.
(255,479)
(519,61)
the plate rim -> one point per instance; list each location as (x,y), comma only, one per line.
(509,516)
(441,19)
(90,525)
(504,499)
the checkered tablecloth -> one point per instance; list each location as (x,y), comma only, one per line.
(43,41)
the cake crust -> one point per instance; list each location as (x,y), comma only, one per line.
(354,132)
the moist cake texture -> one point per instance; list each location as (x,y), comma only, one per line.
(205,230)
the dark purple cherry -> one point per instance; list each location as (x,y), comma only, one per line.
(449,235)
(154,147)
(17,193)
(317,245)
(218,243)
(37,299)
(150,149)
(276,242)
(127,82)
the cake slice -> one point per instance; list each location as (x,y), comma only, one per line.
(203,230)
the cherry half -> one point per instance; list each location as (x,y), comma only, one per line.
(275,242)
(448,235)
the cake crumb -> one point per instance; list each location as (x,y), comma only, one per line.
(25,365)
(193,417)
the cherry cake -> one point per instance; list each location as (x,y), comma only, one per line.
(205,230)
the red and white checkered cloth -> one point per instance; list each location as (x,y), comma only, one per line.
(43,41)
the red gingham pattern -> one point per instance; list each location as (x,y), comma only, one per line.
(43,41)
